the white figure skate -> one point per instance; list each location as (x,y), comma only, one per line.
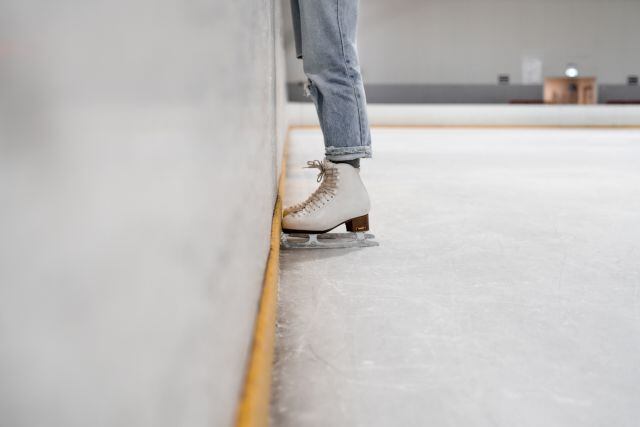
(340,199)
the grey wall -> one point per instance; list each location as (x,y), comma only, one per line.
(138,150)
(471,41)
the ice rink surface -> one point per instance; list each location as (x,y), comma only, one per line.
(505,291)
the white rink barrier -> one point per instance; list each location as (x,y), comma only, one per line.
(303,114)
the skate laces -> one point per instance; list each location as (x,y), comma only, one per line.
(311,164)
(328,177)
(317,164)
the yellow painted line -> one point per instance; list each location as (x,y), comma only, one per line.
(253,410)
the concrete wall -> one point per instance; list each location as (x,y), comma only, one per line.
(472,41)
(138,150)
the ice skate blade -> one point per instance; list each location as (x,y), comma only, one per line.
(326,241)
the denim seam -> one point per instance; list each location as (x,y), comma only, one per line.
(313,94)
(347,73)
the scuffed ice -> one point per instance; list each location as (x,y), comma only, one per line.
(505,291)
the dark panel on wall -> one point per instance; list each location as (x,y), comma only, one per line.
(440,94)
(470,94)
(618,94)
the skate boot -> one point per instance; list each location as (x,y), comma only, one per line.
(340,199)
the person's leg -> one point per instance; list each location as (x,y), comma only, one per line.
(326,40)
(325,33)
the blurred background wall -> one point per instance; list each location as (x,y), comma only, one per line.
(139,146)
(454,50)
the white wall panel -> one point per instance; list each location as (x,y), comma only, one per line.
(472,41)
(138,154)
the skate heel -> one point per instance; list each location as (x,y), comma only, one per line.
(358,224)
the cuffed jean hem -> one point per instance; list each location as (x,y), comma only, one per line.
(348,153)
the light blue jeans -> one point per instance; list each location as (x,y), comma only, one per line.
(325,35)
